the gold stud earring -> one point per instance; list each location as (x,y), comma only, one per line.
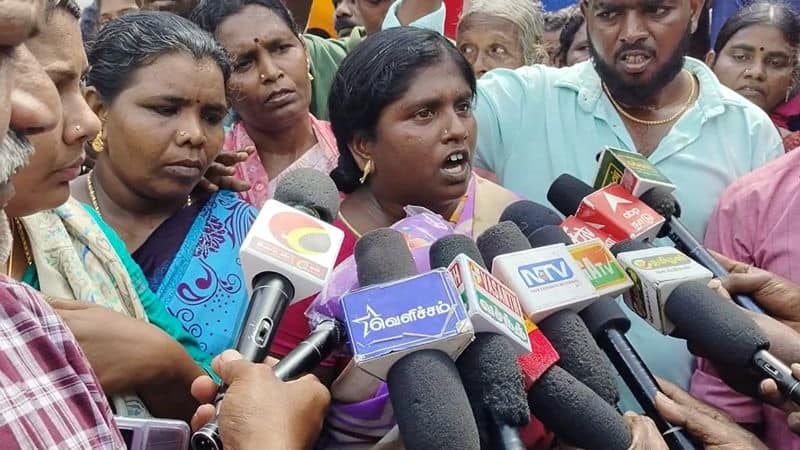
(367,170)
(97,143)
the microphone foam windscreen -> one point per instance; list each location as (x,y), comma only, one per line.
(383,256)
(311,189)
(549,235)
(604,314)
(530,216)
(446,248)
(500,239)
(713,325)
(577,414)
(430,404)
(567,192)
(579,353)
(662,202)
(629,245)
(493,380)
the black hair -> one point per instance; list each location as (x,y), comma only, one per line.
(210,14)
(555,20)
(777,14)
(70,6)
(567,36)
(376,74)
(135,40)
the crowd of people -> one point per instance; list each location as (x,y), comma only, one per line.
(142,137)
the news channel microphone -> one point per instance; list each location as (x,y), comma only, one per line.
(546,279)
(667,206)
(529,216)
(724,334)
(632,170)
(611,209)
(406,329)
(488,367)
(608,324)
(288,255)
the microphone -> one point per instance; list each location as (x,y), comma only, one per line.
(546,279)
(577,414)
(288,254)
(611,209)
(633,171)
(662,201)
(529,216)
(608,324)
(326,337)
(488,367)
(712,324)
(657,271)
(580,231)
(406,329)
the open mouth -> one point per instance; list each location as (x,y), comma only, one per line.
(457,163)
(634,62)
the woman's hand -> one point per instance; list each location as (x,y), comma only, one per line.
(220,174)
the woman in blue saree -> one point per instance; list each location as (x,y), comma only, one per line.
(162,103)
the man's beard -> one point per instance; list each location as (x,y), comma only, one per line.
(15,150)
(638,93)
(344,24)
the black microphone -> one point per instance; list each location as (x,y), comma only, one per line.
(328,336)
(530,216)
(724,334)
(488,367)
(665,204)
(608,323)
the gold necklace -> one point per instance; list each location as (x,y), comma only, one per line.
(673,117)
(93,195)
(17,225)
(344,221)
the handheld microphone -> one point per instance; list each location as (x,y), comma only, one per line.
(724,334)
(580,231)
(406,329)
(288,255)
(608,323)
(546,279)
(326,337)
(488,367)
(631,170)
(665,204)
(529,216)
(611,209)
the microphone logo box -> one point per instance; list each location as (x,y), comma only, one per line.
(631,170)
(292,243)
(491,306)
(546,279)
(656,272)
(622,215)
(580,231)
(388,321)
(603,270)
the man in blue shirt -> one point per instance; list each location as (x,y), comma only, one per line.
(639,92)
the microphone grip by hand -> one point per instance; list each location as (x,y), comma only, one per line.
(325,338)
(776,370)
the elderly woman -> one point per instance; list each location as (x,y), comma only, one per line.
(142,356)
(501,33)
(157,82)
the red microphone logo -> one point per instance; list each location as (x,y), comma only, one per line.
(300,233)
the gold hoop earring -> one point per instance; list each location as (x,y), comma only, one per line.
(367,170)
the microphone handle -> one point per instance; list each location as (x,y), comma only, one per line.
(325,338)
(508,436)
(643,386)
(684,239)
(775,369)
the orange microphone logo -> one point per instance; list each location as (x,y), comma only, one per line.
(299,232)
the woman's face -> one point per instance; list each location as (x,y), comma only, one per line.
(269,88)
(114,9)
(44,182)
(489,42)
(424,141)
(758,63)
(579,50)
(163,131)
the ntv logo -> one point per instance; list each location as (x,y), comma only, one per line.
(544,273)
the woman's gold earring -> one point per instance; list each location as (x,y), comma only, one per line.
(97,143)
(367,170)
(310,76)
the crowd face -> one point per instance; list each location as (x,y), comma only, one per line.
(346,16)
(489,43)
(270,87)
(579,49)
(44,182)
(550,41)
(372,13)
(416,136)
(180,7)
(114,9)
(759,64)
(638,46)
(163,131)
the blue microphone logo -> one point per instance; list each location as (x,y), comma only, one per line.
(544,273)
